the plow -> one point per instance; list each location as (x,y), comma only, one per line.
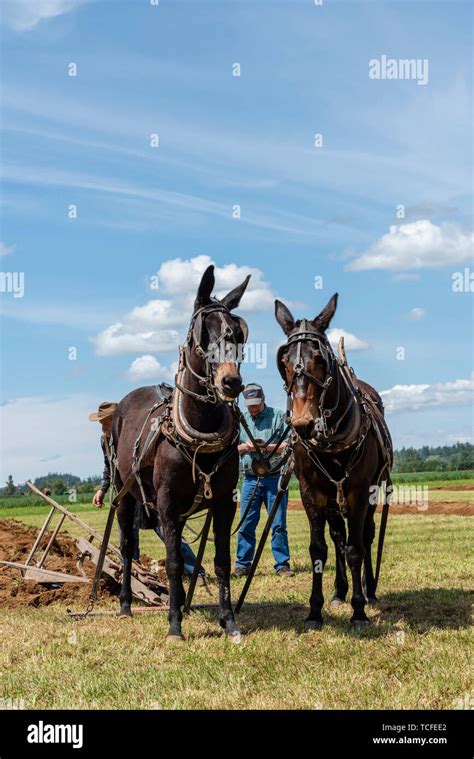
(106,558)
(146,587)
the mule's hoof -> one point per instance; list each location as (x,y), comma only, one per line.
(372,600)
(173,638)
(359,624)
(336,601)
(235,637)
(125,612)
(313,624)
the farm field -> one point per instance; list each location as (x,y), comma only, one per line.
(415,654)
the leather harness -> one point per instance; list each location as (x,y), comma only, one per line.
(361,405)
(171,421)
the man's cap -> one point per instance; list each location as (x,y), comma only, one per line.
(105,409)
(253,394)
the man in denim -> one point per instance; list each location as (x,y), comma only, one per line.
(262,421)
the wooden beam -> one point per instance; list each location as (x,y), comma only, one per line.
(43,575)
(72,517)
(139,589)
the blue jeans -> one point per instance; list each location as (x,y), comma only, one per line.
(186,551)
(266,493)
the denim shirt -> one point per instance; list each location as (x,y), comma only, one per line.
(262,427)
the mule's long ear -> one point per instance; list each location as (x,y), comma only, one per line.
(284,317)
(205,288)
(232,299)
(323,320)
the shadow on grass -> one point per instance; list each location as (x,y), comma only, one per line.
(425,608)
(419,610)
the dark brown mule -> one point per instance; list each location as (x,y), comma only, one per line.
(342,453)
(201,435)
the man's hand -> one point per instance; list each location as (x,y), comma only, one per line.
(98,499)
(246,448)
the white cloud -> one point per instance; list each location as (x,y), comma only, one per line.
(147,367)
(416,245)
(122,337)
(401,398)
(351,342)
(5,250)
(155,326)
(181,278)
(23,15)
(39,430)
(417,313)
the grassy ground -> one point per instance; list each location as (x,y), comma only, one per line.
(415,654)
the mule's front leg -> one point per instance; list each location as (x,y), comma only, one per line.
(125,518)
(223,514)
(319,552)
(355,553)
(174,570)
(368,580)
(337,529)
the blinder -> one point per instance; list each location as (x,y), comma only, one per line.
(304,334)
(280,366)
(243,326)
(199,319)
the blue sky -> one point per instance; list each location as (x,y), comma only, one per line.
(229,140)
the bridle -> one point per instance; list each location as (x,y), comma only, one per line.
(194,341)
(307,333)
(356,438)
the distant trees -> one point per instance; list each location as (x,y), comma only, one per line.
(58,483)
(444,458)
(428,459)
(10,488)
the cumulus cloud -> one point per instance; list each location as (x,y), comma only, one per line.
(416,245)
(400,398)
(351,342)
(122,337)
(148,368)
(181,279)
(155,326)
(417,313)
(23,15)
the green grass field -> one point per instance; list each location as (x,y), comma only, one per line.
(415,654)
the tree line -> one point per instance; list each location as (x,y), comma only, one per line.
(458,457)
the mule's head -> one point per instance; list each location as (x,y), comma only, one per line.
(218,337)
(307,365)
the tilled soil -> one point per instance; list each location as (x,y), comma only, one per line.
(453,487)
(460,508)
(16,541)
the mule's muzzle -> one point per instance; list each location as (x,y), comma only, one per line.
(230,387)
(304,427)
